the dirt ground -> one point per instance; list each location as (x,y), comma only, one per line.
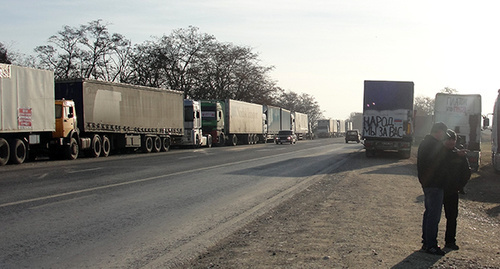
(366,215)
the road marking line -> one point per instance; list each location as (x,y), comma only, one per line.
(84,170)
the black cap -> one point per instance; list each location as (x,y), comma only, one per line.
(439,126)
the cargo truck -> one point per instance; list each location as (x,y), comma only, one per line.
(495,135)
(115,116)
(272,122)
(462,114)
(286,117)
(233,122)
(326,128)
(388,117)
(27,115)
(193,134)
(341,128)
(300,125)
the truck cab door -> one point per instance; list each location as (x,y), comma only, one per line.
(65,119)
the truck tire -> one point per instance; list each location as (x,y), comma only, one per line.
(165,144)
(234,140)
(147,145)
(72,150)
(4,151)
(18,151)
(222,140)
(106,146)
(156,144)
(95,146)
(209,141)
(197,142)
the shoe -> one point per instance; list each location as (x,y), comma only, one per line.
(435,251)
(452,246)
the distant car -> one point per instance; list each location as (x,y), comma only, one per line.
(352,135)
(286,136)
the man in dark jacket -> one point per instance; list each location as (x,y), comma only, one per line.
(432,176)
(458,174)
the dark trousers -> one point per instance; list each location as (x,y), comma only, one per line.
(433,201)
(450,201)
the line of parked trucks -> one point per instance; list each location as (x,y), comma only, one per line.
(64,119)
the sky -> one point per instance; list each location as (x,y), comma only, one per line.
(324,48)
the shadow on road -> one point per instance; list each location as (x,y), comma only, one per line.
(417,260)
(484,186)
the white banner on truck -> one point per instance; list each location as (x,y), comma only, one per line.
(385,123)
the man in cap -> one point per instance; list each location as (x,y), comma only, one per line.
(432,176)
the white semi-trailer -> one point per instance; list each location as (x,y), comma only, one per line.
(462,113)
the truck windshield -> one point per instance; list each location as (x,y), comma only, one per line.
(58,111)
(188,113)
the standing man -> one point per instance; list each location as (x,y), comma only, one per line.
(459,173)
(432,177)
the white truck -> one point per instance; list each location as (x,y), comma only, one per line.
(286,123)
(193,135)
(495,135)
(326,128)
(300,125)
(341,128)
(272,122)
(462,114)
(243,123)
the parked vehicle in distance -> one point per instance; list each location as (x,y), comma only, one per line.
(286,136)
(352,135)
(300,125)
(326,128)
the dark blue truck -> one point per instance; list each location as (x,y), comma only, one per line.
(388,117)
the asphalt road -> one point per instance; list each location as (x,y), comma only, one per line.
(148,210)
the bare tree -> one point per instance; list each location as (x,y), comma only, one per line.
(64,55)
(4,55)
(303,103)
(424,104)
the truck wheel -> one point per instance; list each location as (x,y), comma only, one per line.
(234,140)
(222,140)
(147,145)
(18,152)
(106,146)
(165,144)
(72,150)
(95,146)
(4,151)
(156,144)
(197,142)
(209,141)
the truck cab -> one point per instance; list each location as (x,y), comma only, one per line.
(65,118)
(212,118)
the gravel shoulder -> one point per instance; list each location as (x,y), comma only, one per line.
(366,214)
